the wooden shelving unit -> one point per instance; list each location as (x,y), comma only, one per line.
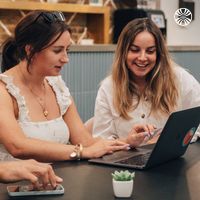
(98,18)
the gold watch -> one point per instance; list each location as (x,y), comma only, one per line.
(77,152)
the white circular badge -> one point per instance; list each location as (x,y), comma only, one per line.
(183,16)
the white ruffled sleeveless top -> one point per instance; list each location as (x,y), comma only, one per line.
(55,130)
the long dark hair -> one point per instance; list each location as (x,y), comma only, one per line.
(36,29)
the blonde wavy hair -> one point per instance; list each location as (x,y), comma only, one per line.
(161,89)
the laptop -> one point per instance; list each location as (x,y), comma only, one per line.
(172,143)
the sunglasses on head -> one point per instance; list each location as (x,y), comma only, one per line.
(51,17)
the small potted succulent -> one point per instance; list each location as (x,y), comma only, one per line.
(123,183)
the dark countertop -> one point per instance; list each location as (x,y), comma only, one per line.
(176,180)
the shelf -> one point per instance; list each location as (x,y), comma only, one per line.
(64,7)
(98,18)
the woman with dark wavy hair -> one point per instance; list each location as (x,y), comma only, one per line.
(38,116)
(145,86)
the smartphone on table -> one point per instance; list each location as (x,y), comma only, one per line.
(29,190)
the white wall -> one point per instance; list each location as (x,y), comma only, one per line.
(177,35)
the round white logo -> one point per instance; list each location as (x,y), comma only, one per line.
(183,16)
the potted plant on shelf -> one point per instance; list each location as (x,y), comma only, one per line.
(123,183)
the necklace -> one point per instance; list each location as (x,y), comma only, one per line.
(41,101)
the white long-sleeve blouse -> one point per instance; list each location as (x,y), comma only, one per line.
(108,123)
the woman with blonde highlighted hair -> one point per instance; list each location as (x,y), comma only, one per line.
(145,85)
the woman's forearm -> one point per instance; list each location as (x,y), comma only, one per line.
(40,150)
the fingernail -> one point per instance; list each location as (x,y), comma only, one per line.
(127,146)
(59,179)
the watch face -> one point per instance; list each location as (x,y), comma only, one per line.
(73,155)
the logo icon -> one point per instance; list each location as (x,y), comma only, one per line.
(183,16)
(188,136)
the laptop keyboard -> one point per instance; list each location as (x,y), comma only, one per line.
(136,160)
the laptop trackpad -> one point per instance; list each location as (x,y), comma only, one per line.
(119,155)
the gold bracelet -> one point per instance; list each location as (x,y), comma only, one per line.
(80,147)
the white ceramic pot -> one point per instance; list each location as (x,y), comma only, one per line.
(122,188)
